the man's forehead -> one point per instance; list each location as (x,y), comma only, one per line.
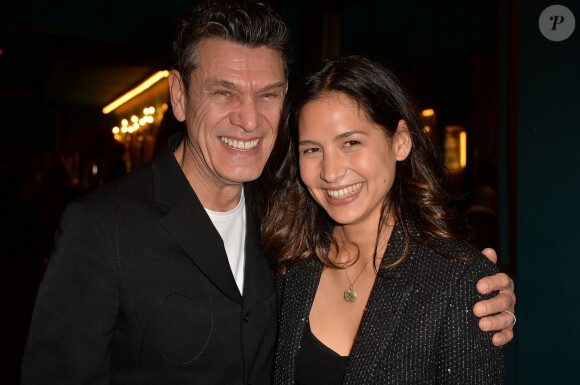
(220,58)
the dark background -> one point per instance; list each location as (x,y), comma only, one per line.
(481,64)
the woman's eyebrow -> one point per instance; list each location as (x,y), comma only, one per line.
(347,135)
(307,143)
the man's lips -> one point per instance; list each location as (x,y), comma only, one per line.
(240,144)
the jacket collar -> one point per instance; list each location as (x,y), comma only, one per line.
(387,303)
(188,223)
(257,274)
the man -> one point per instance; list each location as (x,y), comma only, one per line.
(158,278)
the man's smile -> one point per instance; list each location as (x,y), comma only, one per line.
(239,144)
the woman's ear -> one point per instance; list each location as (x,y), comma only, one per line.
(402,142)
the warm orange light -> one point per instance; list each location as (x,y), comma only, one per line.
(462,149)
(428,112)
(135,91)
(427,129)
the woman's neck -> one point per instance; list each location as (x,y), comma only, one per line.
(361,239)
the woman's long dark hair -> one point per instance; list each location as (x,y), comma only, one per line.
(294,226)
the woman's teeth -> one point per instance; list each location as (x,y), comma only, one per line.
(344,192)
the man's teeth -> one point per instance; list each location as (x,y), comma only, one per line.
(240,145)
(344,192)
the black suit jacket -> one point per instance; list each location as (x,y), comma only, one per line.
(418,326)
(139,291)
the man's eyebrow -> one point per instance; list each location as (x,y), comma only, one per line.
(216,83)
(273,86)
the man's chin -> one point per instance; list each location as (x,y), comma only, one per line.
(243,176)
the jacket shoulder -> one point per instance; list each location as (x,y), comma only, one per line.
(447,259)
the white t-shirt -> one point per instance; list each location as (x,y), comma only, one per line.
(231,225)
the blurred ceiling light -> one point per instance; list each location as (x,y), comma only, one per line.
(428,112)
(462,149)
(135,91)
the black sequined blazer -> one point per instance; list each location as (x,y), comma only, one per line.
(418,327)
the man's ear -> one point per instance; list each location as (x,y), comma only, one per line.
(178,95)
(402,142)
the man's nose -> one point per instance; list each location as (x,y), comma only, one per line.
(247,115)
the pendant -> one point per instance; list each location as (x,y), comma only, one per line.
(350,295)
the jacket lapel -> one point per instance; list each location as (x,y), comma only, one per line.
(258,277)
(388,300)
(189,224)
(301,283)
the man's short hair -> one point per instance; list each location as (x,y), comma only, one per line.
(245,22)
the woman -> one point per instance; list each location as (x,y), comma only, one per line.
(378,283)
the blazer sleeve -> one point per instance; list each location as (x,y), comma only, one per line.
(75,312)
(466,354)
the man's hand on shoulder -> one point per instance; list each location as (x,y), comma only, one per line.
(502,304)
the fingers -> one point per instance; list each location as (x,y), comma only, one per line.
(500,282)
(497,304)
(502,337)
(499,322)
(490,254)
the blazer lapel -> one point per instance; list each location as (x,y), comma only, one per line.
(301,283)
(189,224)
(388,300)
(258,277)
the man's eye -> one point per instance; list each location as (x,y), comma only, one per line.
(222,93)
(270,95)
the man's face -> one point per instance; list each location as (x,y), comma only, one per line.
(232,110)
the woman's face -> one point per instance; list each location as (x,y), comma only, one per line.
(346,161)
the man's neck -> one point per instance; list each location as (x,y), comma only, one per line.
(213,196)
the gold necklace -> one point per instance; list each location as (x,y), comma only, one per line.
(350,293)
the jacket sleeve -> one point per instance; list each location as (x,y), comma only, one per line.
(75,312)
(466,354)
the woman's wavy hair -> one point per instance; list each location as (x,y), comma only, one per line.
(293,225)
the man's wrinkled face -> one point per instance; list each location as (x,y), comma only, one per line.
(232,110)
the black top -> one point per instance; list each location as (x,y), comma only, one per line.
(316,363)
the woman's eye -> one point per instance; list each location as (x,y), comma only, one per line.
(351,143)
(311,150)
